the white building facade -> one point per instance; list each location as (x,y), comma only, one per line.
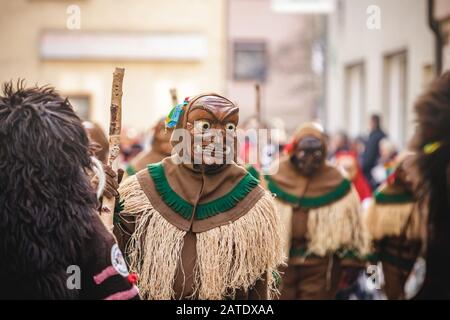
(380,58)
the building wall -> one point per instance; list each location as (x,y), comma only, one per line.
(291,90)
(442,9)
(442,14)
(404,27)
(146,85)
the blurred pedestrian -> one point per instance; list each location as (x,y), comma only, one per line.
(385,163)
(160,149)
(321,215)
(358,145)
(339,143)
(98,140)
(372,150)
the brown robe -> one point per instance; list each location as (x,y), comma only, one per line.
(314,268)
(196,237)
(310,278)
(161,148)
(394,223)
(143,159)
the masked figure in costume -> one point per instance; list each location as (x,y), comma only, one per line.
(98,141)
(53,244)
(432,145)
(160,149)
(320,211)
(393,222)
(103,179)
(200,229)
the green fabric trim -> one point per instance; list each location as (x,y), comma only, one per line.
(130,170)
(280,193)
(310,202)
(171,113)
(405,264)
(252,170)
(373,257)
(351,254)
(381,197)
(341,254)
(399,262)
(277,278)
(298,252)
(340,191)
(205,210)
(170,197)
(118,208)
(228,201)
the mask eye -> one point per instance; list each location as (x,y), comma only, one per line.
(318,154)
(202,126)
(230,126)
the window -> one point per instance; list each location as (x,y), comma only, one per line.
(250,61)
(395,84)
(355,106)
(81,105)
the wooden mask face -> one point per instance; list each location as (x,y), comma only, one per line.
(212,122)
(309,155)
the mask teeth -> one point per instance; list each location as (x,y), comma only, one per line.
(218,155)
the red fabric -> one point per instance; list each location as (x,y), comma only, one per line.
(132,278)
(359,181)
(362,187)
(392,177)
(245,151)
(289,148)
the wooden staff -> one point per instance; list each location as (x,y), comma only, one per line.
(259,147)
(258,102)
(173,94)
(115,124)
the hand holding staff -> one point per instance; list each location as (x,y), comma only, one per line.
(258,102)
(107,210)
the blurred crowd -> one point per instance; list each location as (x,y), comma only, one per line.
(367,158)
(370,203)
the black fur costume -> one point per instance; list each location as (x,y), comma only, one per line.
(432,143)
(48,218)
